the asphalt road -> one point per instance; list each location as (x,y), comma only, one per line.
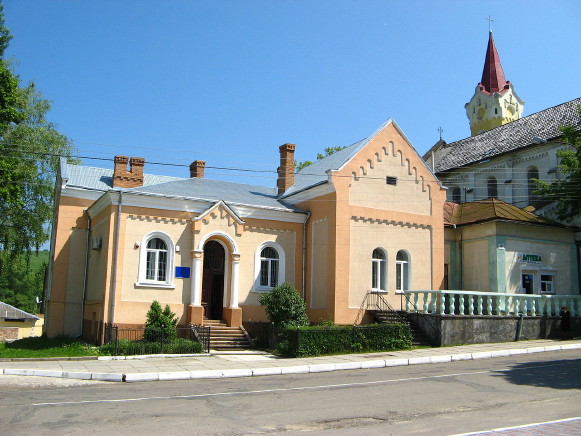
(435,399)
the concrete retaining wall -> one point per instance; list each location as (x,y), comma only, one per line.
(444,330)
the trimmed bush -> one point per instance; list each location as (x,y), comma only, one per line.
(284,306)
(316,340)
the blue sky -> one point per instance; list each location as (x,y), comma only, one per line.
(229,81)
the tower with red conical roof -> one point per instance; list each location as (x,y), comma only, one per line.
(494,102)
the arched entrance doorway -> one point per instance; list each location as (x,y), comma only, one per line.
(213,280)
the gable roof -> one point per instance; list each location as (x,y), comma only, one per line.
(490,209)
(541,126)
(317,173)
(10,312)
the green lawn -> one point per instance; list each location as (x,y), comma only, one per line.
(43,347)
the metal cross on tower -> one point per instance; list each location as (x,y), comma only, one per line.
(490,21)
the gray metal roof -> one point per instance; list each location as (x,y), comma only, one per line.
(316,173)
(544,125)
(215,190)
(100,178)
(194,188)
(10,312)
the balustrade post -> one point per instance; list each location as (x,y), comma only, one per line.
(479,312)
(489,300)
(451,303)
(416,296)
(442,308)
(461,307)
(425,302)
(434,303)
(407,302)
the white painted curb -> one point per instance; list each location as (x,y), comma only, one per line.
(368,364)
(244,372)
(348,365)
(440,359)
(301,369)
(175,375)
(107,377)
(142,377)
(267,371)
(397,362)
(322,367)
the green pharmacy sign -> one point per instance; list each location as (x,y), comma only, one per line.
(529,258)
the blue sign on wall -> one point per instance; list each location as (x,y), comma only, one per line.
(182,272)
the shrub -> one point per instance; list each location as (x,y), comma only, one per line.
(316,340)
(285,307)
(126,347)
(158,322)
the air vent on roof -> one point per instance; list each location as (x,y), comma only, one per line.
(391,180)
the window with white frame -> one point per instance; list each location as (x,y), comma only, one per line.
(547,283)
(156,260)
(378,271)
(270,266)
(402,269)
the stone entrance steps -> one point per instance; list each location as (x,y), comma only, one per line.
(224,338)
(397,317)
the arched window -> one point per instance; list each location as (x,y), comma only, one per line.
(156,260)
(456,195)
(269,267)
(379,271)
(532,173)
(402,270)
(492,187)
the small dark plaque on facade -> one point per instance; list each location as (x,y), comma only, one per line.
(391,180)
(182,272)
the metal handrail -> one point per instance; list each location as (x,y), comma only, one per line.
(427,319)
(380,304)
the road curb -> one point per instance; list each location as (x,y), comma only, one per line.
(298,369)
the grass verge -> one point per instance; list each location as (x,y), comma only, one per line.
(44,347)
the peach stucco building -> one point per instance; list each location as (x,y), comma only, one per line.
(367,218)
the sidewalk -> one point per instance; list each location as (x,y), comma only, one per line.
(157,368)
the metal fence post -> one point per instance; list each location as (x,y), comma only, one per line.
(116,329)
(161,337)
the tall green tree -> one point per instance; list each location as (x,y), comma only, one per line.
(30,148)
(567,190)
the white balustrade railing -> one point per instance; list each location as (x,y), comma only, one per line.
(490,303)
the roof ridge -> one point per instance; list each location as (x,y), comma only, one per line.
(512,123)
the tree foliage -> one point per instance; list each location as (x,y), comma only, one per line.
(328,152)
(285,307)
(159,321)
(566,191)
(30,148)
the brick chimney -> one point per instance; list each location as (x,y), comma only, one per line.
(128,179)
(197,168)
(286,170)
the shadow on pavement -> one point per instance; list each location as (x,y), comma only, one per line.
(556,374)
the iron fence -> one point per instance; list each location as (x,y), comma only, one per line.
(190,339)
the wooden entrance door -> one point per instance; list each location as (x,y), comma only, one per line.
(213,280)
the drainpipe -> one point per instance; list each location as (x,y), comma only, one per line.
(305,253)
(461,275)
(86,271)
(115,258)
